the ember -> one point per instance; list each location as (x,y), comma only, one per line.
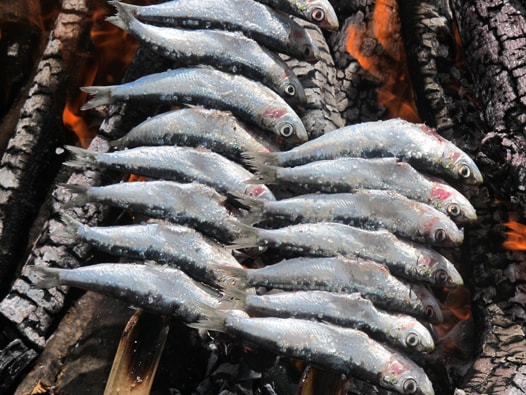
(516,236)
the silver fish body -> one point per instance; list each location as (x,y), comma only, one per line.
(411,261)
(368,209)
(218,131)
(349,310)
(335,274)
(416,144)
(193,204)
(173,245)
(349,174)
(250,100)
(162,290)
(183,164)
(229,51)
(339,349)
(319,12)
(255,20)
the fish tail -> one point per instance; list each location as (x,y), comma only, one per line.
(71,226)
(83,157)
(81,195)
(258,159)
(233,298)
(250,238)
(231,276)
(124,17)
(265,174)
(212,319)
(101,96)
(256,208)
(44,277)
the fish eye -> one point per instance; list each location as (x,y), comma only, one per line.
(307,52)
(464,171)
(453,209)
(317,14)
(429,312)
(440,235)
(290,90)
(286,130)
(412,339)
(410,386)
(441,277)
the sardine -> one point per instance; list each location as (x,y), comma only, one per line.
(158,289)
(183,164)
(257,21)
(368,209)
(248,99)
(194,204)
(411,261)
(335,274)
(349,310)
(218,131)
(343,350)
(349,174)
(228,51)
(416,144)
(174,245)
(319,12)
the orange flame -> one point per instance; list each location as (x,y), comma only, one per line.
(389,67)
(113,50)
(516,236)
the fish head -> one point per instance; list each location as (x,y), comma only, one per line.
(303,42)
(438,269)
(438,229)
(461,167)
(292,90)
(448,200)
(287,124)
(432,311)
(404,376)
(412,334)
(321,13)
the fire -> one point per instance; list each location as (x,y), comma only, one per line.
(112,51)
(516,236)
(389,67)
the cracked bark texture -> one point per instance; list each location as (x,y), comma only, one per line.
(494,38)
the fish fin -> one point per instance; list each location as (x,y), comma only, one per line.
(81,195)
(44,277)
(82,157)
(101,96)
(265,174)
(212,318)
(124,17)
(250,238)
(231,276)
(258,159)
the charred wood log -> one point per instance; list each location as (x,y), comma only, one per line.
(492,33)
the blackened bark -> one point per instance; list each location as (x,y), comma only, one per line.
(494,36)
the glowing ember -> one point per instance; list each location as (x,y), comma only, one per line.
(516,236)
(389,67)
